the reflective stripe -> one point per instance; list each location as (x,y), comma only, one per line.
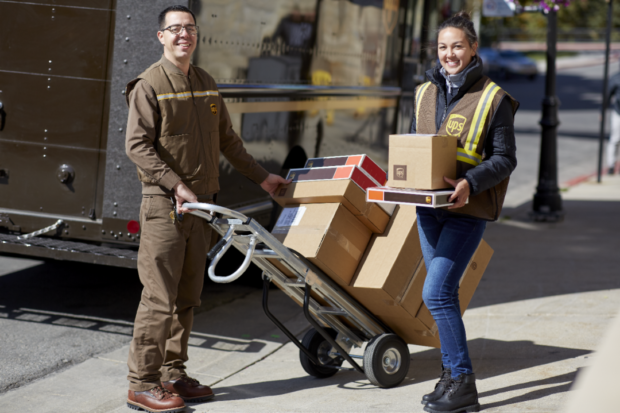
(463,156)
(187,95)
(419,99)
(206,93)
(469,151)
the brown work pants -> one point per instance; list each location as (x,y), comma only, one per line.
(171,266)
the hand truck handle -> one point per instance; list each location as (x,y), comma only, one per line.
(216,248)
(200,206)
(228,239)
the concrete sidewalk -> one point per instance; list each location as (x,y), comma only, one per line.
(546,299)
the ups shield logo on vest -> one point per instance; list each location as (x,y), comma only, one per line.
(213,109)
(455,126)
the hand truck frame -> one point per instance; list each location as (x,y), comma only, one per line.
(337,328)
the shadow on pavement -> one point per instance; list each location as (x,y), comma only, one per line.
(426,365)
(559,384)
(88,291)
(534,260)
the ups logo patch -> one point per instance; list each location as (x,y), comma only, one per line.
(400,172)
(455,126)
(213,109)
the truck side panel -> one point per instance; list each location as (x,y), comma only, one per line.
(136,47)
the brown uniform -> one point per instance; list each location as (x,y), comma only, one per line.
(176,128)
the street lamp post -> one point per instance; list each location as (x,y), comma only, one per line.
(547,200)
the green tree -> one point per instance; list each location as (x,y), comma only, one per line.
(581,20)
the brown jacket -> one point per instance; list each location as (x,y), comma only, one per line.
(176,128)
(469,121)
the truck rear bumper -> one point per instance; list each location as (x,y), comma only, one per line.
(44,247)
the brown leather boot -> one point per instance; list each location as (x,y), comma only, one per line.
(156,400)
(189,389)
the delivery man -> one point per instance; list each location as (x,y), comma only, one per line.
(177,126)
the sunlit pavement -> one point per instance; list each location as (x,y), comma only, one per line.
(546,299)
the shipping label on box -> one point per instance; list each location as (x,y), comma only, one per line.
(421,161)
(290,217)
(344,191)
(362,161)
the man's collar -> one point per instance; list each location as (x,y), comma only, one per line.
(171,67)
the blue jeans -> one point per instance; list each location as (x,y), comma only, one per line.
(448,243)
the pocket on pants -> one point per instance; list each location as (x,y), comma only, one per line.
(158,207)
(144,208)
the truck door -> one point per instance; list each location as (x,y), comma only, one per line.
(53,88)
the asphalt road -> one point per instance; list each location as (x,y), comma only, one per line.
(57,314)
(579,91)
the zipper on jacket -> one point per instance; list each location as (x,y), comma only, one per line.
(202,144)
(445,109)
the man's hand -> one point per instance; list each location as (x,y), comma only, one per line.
(271,183)
(183,194)
(461,192)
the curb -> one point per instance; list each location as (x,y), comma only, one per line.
(559,65)
(577,180)
(583,178)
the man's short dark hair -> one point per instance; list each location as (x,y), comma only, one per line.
(162,15)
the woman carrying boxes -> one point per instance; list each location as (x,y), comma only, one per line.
(459,100)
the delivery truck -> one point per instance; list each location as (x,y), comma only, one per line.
(301,79)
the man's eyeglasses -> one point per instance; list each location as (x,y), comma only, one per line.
(191,29)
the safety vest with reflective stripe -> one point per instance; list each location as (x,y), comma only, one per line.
(469,121)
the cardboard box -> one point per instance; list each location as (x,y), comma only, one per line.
(362,161)
(417,197)
(419,327)
(409,330)
(361,178)
(421,161)
(328,235)
(389,265)
(344,191)
(390,259)
(412,300)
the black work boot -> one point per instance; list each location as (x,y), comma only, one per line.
(440,387)
(460,396)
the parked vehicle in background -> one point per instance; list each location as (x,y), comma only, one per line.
(301,78)
(507,63)
(490,60)
(516,63)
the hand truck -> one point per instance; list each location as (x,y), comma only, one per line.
(336,328)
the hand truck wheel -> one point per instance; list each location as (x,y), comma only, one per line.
(386,360)
(320,348)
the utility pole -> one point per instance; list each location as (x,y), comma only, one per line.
(547,200)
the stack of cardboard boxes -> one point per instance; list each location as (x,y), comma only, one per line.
(371,250)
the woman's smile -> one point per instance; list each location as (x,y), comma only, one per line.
(454,51)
